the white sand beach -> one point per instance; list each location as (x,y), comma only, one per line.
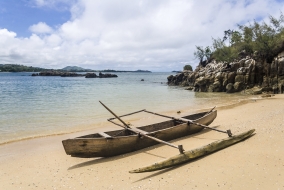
(256,163)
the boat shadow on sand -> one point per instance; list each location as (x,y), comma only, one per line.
(115,158)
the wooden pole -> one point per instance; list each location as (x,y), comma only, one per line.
(190,121)
(126,114)
(150,137)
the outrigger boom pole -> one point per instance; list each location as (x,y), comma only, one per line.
(181,150)
(190,121)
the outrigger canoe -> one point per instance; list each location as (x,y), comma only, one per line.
(112,143)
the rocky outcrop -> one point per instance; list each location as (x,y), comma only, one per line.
(59,73)
(243,74)
(106,75)
(91,75)
(101,75)
(72,74)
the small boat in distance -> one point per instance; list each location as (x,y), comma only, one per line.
(113,143)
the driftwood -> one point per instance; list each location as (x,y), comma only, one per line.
(195,153)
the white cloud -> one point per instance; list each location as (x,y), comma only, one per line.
(4,33)
(144,34)
(40,3)
(41,28)
(57,4)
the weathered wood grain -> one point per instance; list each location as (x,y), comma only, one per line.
(195,153)
(97,145)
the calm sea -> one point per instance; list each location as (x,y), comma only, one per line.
(40,106)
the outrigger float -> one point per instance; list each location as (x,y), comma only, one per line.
(195,153)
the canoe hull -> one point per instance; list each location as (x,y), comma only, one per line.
(105,147)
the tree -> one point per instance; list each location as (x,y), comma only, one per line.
(200,53)
(187,67)
(223,52)
(265,40)
(247,39)
(228,34)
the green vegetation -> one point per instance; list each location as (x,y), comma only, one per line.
(200,53)
(23,68)
(187,67)
(260,40)
(76,69)
(19,68)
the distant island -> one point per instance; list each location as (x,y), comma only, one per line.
(23,68)
(76,69)
(176,71)
(109,70)
(19,68)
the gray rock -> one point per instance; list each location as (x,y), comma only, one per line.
(238,86)
(256,90)
(230,88)
(235,76)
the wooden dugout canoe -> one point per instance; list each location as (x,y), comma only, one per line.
(118,142)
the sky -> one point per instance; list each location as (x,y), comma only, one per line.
(155,35)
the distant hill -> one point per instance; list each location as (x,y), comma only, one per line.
(76,69)
(176,71)
(23,68)
(19,68)
(142,71)
(110,70)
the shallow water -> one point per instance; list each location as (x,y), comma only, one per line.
(40,106)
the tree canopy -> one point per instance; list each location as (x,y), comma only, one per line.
(187,67)
(262,40)
(19,68)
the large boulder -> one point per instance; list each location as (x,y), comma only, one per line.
(170,78)
(281,66)
(240,78)
(216,86)
(231,77)
(91,75)
(106,75)
(200,81)
(230,88)
(256,90)
(238,86)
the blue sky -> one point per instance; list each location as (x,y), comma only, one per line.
(158,35)
(18,15)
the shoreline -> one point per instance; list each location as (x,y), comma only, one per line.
(100,124)
(256,163)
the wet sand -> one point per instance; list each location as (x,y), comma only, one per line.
(256,163)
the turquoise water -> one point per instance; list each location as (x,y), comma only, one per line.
(39,106)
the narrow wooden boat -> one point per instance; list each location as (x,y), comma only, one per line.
(112,143)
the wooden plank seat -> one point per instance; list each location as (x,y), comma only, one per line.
(105,135)
(140,131)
